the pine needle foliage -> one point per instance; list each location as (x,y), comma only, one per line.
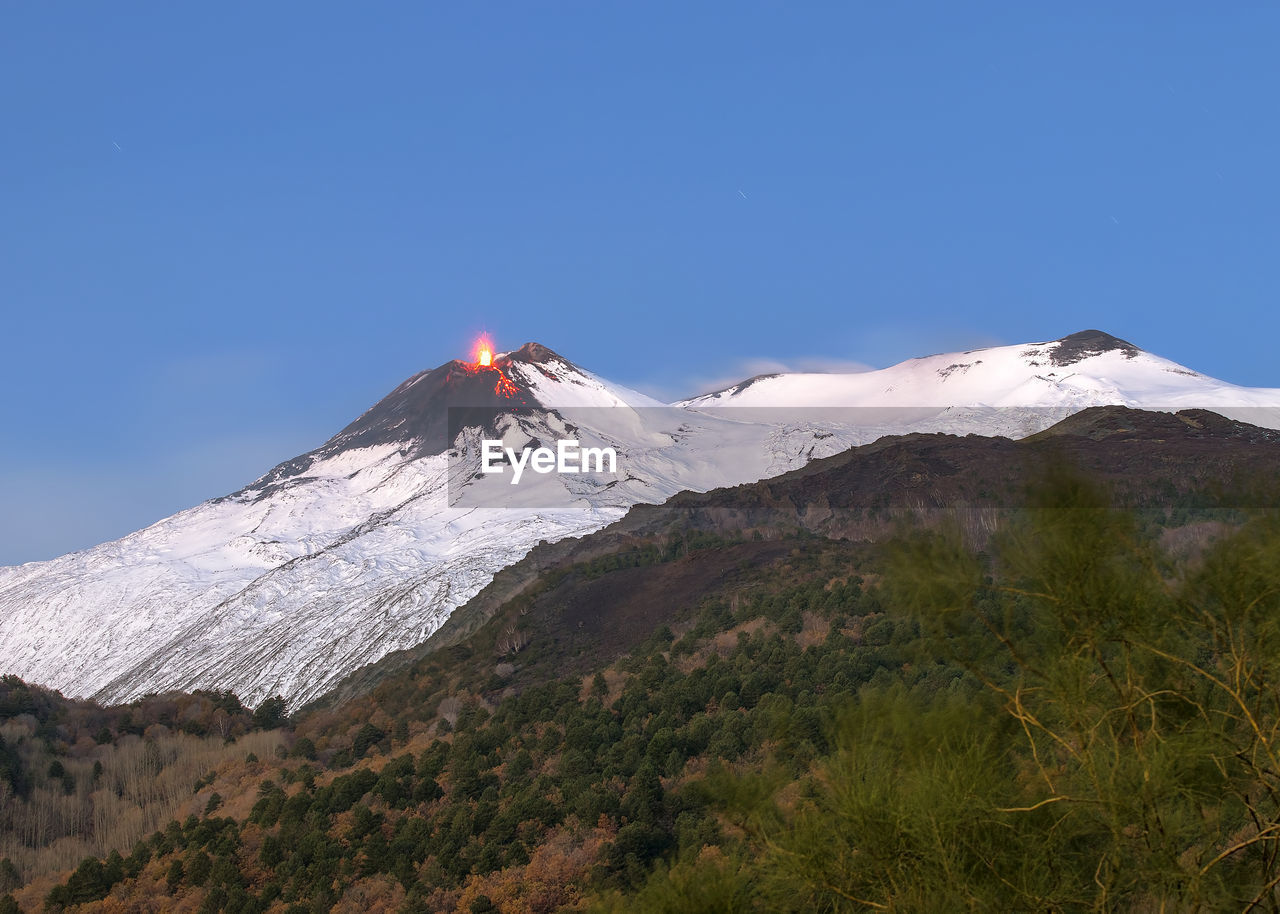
(1113,746)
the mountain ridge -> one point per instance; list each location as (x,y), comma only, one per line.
(367,544)
(1195,462)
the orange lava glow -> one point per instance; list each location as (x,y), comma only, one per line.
(482,357)
(504,387)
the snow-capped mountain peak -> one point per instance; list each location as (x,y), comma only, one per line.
(415,414)
(425,412)
(1089,368)
(360,547)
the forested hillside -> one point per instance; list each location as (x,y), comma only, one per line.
(78,779)
(1073,712)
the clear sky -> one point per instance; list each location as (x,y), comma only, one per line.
(228,228)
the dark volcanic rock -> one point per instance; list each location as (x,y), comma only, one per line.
(418,411)
(425,412)
(1079,346)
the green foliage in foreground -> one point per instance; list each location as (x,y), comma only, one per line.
(614,768)
(1123,754)
(1070,722)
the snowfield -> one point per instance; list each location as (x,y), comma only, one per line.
(366,545)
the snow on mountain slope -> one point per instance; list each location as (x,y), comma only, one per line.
(1090,368)
(327,562)
(365,545)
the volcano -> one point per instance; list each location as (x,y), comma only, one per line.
(367,543)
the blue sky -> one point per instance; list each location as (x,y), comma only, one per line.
(226,229)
